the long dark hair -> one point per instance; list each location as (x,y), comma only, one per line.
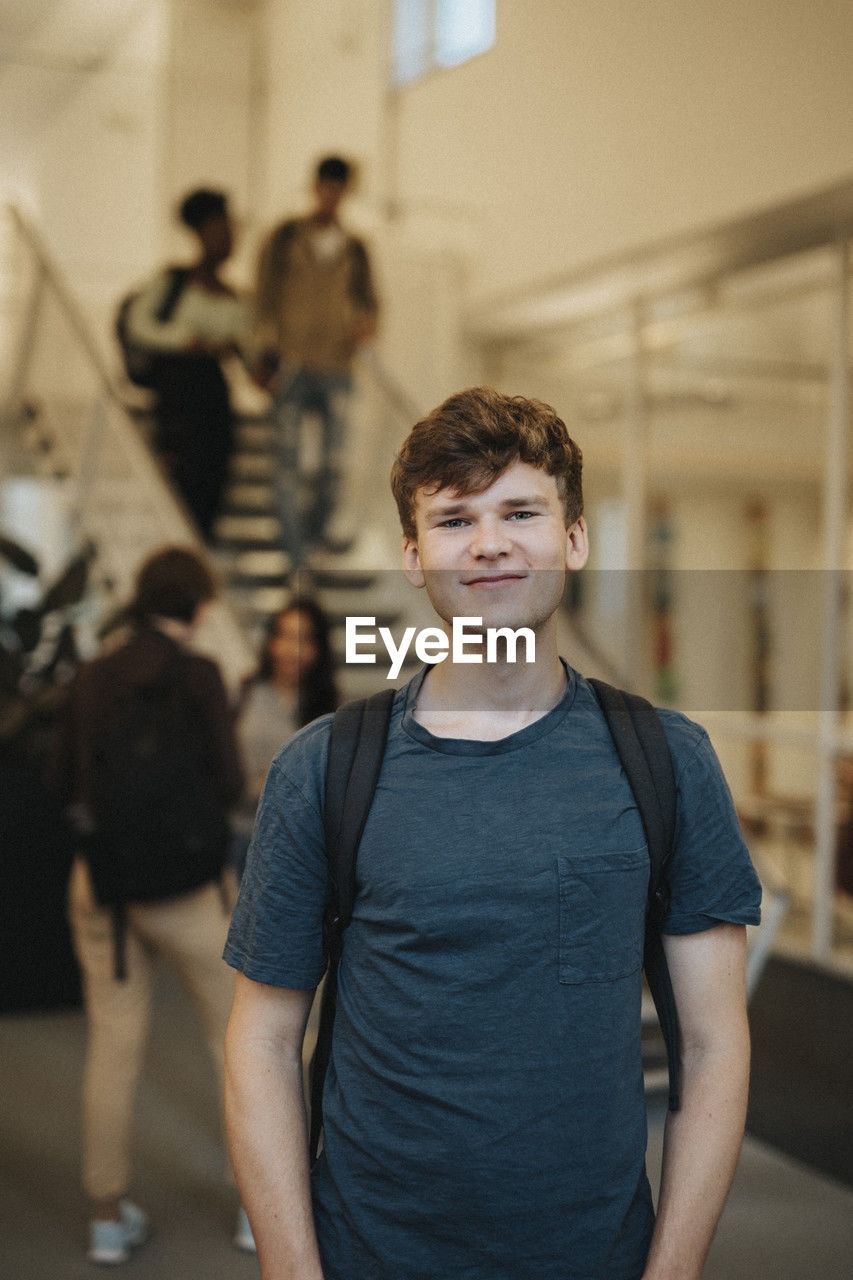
(317,692)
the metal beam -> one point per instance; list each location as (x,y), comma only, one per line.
(834,517)
(697,260)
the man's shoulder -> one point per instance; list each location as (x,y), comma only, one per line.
(307,751)
(286,230)
(303,759)
(686,738)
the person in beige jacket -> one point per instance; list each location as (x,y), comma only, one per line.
(316,304)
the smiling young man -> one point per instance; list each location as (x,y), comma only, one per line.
(484,1115)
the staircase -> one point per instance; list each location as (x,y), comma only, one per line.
(359,582)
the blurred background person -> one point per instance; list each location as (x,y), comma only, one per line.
(146,765)
(293,685)
(316,305)
(191,320)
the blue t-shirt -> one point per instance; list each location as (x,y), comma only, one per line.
(484,1108)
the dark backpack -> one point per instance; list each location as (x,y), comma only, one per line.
(161,829)
(356,750)
(142,364)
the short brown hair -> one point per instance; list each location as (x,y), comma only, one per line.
(471,439)
(173,583)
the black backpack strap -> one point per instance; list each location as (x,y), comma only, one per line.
(119,916)
(644,752)
(356,750)
(178,277)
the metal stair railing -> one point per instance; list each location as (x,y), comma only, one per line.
(113,493)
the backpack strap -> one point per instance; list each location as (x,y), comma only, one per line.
(643,750)
(178,277)
(356,750)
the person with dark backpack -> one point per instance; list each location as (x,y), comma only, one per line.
(481,864)
(174,335)
(147,767)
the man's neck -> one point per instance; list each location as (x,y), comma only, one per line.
(490,701)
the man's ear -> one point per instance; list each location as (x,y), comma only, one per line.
(577,545)
(412,563)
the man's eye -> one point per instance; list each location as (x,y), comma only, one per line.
(456,522)
(521,515)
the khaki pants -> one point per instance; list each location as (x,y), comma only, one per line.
(189,934)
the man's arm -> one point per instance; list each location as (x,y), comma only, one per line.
(270,277)
(363,294)
(702,1140)
(265,1110)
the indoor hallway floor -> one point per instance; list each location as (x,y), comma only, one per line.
(783,1221)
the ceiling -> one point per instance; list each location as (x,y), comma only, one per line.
(61,35)
(48,48)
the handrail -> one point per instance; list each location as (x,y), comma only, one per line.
(52,275)
(395,393)
(110,464)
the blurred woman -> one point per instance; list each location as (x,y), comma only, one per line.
(294,684)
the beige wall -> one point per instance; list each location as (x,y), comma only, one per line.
(594,128)
(95,161)
(214,109)
(324,66)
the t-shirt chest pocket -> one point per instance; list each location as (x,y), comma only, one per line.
(602,915)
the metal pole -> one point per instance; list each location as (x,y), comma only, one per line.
(85,472)
(76,320)
(26,346)
(834,504)
(635,500)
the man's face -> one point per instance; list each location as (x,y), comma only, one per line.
(217,237)
(500,555)
(329,193)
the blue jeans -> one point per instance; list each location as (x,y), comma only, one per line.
(308,391)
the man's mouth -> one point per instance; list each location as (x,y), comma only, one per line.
(493,579)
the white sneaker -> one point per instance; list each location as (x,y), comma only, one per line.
(243,1237)
(111,1242)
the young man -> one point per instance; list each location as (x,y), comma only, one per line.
(484,1110)
(316,305)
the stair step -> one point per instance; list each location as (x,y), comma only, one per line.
(247,498)
(327,574)
(357,598)
(256,604)
(254,436)
(252,530)
(263,566)
(252,466)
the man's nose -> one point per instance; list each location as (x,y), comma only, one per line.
(489,539)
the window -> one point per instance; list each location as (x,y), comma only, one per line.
(439,33)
